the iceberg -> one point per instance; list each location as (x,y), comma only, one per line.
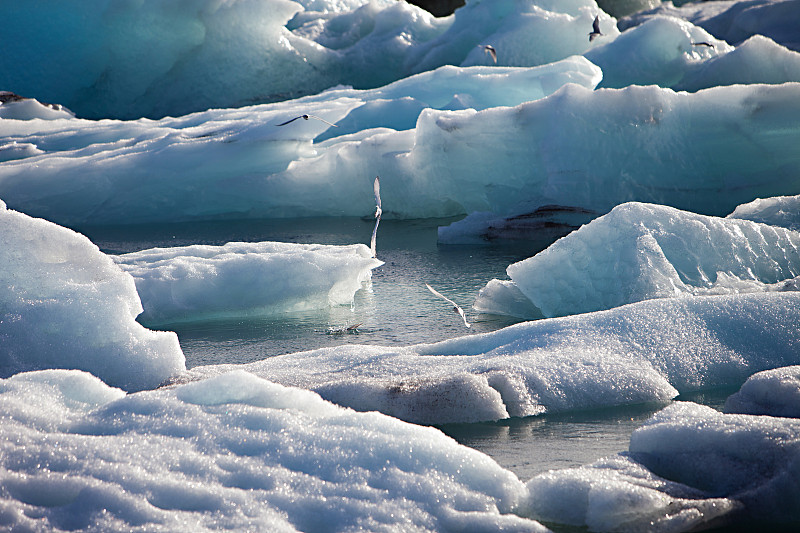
(644,352)
(618,494)
(16,107)
(226,163)
(644,144)
(151,60)
(67,305)
(773,392)
(642,251)
(201,282)
(688,467)
(234,452)
(672,52)
(658,52)
(781,211)
(732,21)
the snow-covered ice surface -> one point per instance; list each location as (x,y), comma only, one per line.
(644,352)
(577,147)
(774,392)
(688,467)
(201,282)
(693,110)
(781,211)
(235,452)
(64,304)
(642,251)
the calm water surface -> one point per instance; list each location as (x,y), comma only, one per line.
(395,309)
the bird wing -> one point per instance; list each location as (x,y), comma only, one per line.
(323,120)
(288,121)
(596,24)
(376,187)
(492,52)
(463,316)
(455,305)
(374,235)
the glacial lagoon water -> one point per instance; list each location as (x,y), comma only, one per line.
(395,309)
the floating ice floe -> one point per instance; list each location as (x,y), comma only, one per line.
(773,392)
(644,352)
(689,467)
(781,211)
(67,305)
(578,148)
(199,282)
(733,21)
(235,452)
(642,251)
(16,107)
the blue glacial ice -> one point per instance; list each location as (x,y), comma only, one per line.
(672,52)
(781,211)
(643,251)
(733,21)
(577,147)
(523,148)
(201,282)
(148,59)
(235,452)
(65,304)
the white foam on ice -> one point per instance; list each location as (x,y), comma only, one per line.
(781,211)
(200,282)
(67,305)
(644,352)
(643,251)
(233,452)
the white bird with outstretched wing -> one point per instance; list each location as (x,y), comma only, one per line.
(456,308)
(376,186)
(306,117)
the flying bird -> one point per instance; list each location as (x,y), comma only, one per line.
(489,49)
(595,29)
(306,117)
(376,186)
(456,308)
